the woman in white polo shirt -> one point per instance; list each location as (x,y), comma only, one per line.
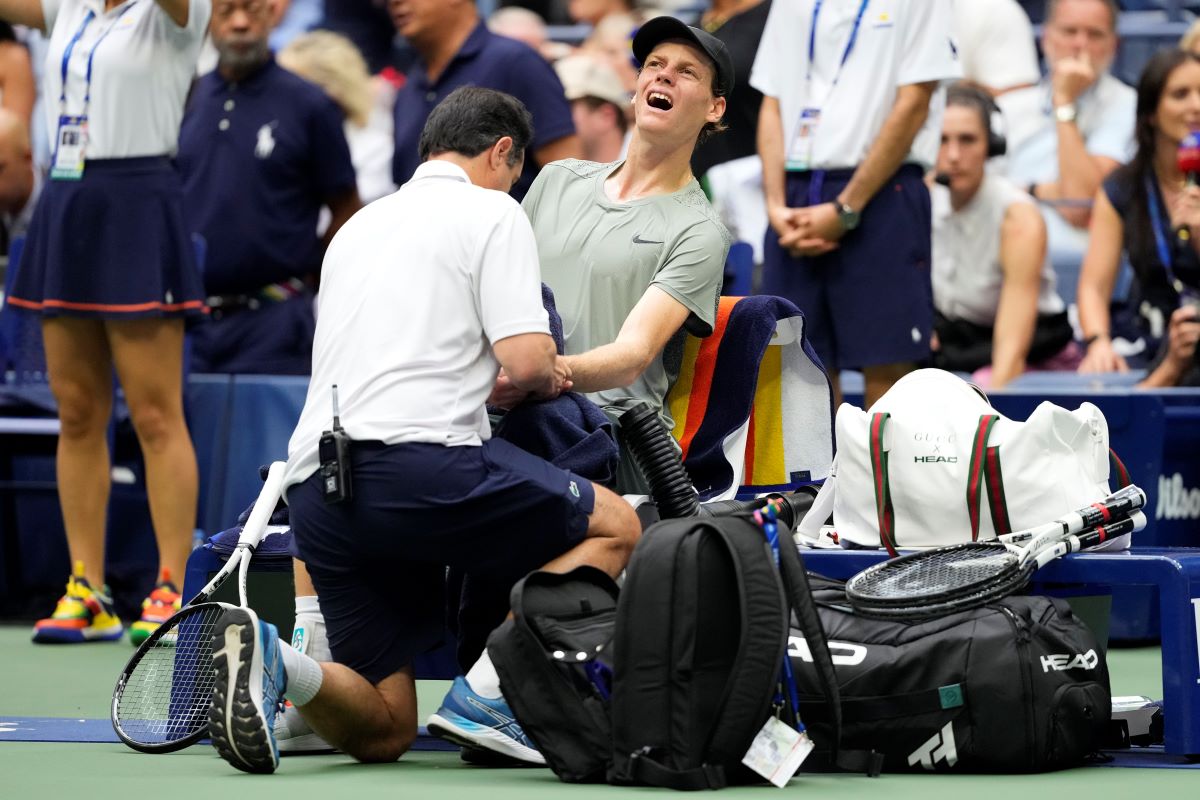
(109,266)
(998,311)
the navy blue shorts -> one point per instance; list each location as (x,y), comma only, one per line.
(112,245)
(870,302)
(379,562)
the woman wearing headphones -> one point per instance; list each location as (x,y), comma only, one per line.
(993,286)
(109,267)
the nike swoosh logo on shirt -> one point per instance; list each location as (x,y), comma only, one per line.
(637,239)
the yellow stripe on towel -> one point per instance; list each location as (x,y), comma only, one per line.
(765,463)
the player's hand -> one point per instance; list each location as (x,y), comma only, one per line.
(505,394)
(1102,358)
(821,222)
(1069,77)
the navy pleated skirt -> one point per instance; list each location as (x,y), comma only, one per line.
(112,245)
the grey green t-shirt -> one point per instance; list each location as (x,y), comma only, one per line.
(599,257)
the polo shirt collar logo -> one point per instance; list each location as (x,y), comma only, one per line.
(265,142)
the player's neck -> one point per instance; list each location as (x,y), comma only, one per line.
(650,170)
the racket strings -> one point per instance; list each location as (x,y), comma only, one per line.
(167,694)
(935,573)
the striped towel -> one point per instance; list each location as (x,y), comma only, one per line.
(753,407)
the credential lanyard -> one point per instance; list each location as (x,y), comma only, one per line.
(70,49)
(1157,222)
(812,40)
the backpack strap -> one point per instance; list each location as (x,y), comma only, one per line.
(975,469)
(883,491)
(799,592)
(644,769)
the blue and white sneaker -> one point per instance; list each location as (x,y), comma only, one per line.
(467,719)
(248,691)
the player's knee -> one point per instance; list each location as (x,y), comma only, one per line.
(384,749)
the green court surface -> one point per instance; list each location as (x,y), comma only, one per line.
(76,682)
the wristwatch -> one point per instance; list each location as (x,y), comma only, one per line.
(1065,113)
(847,216)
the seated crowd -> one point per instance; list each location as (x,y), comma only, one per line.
(377,202)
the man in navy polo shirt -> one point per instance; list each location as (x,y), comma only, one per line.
(454,49)
(261,151)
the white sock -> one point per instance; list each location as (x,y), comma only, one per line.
(308,633)
(304,675)
(482,678)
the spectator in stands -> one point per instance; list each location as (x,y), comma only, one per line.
(261,152)
(1149,211)
(845,134)
(109,266)
(431,488)
(599,105)
(20,183)
(331,61)
(996,46)
(18,90)
(632,250)
(1177,364)
(729,164)
(610,40)
(1190,40)
(590,12)
(993,285)
(527,27)
(1069,132)
(455,48)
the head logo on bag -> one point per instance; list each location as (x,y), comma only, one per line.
(844,654)
(1060,662)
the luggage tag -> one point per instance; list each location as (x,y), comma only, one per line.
(800,153)
(70,146)
(778,751)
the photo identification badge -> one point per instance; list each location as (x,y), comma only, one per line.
(800,153)
(69,148)
(777,752)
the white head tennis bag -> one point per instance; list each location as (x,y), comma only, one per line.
(932,463)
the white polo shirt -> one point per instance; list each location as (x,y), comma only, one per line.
(899,42)
(141,71)
(414,289)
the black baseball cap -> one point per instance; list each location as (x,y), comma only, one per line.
(660,29)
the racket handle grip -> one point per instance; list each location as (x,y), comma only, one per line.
(1134,522)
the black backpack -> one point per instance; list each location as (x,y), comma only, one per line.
(553,657)
(702,627)
(1020,685)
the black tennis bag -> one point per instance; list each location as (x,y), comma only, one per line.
(1020,685)
(553,657)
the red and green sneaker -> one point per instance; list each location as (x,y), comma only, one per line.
(83,614)
(159,607)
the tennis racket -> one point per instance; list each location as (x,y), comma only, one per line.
(960,577)
(161,700)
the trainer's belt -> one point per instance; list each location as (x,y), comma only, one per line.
(221,305)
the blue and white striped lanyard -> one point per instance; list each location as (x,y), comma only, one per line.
(1158,222)
(812,41)
(66,59)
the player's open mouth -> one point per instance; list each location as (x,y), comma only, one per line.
(659,100)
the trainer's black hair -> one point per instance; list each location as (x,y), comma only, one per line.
(472,119)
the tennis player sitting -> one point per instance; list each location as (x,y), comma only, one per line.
(425,295)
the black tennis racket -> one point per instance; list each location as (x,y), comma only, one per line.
(960,577)
(161,700)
